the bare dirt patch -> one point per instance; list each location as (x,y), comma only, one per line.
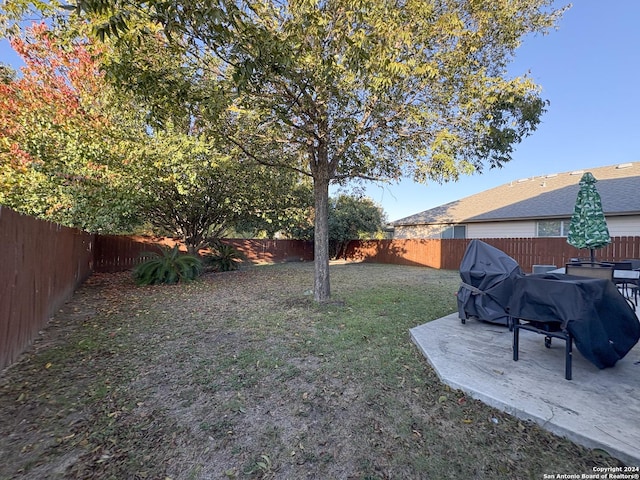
(242,375)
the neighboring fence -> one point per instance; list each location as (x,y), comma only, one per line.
(273,251)
(114,253)
(447,254)
(117,253)
(41,264)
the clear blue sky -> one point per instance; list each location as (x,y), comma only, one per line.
(589,70)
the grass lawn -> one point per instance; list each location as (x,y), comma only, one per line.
(240,375)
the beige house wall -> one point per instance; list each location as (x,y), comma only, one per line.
(623,226)
(627,226)
(515,229)
(418,231)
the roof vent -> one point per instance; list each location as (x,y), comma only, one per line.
(577,172)
(522,180)
(624,165)
(551,175)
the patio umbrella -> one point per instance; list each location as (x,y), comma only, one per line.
(588,227)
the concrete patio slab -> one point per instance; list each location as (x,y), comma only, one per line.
(597,408)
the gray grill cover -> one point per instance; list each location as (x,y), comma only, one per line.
(487,275)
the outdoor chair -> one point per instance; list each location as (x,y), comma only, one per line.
(634,286)
(622,284)
(628,288)
(590,270)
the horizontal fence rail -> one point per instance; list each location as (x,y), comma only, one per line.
(273,251)
(116,253)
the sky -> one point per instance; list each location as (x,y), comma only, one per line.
(589,70)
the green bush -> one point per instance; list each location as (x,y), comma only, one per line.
(170,266)
(225,258)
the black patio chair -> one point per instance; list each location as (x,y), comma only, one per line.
(623,284)
(590,270)
(634,285)
(628,288)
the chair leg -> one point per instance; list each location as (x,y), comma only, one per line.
(565,335)
(568,357)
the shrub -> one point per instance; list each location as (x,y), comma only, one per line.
(225,258)
(170,266)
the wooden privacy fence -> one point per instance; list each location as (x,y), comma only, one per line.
(115,253)
(41,264)
(273,251)
(447,254)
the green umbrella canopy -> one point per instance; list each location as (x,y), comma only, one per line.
(588,228)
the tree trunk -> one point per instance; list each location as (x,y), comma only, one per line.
(321,288)
(322,171)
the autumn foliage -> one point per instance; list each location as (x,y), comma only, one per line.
(58,147)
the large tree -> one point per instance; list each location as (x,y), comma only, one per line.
(351,217)
(63,149)
(199,192)
(198,184)
(364,89)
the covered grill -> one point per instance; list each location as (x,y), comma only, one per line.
(487,275)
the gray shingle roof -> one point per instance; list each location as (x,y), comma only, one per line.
(546,196)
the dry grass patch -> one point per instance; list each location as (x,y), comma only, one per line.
(241,375)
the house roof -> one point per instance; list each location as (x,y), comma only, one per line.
(546,196)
